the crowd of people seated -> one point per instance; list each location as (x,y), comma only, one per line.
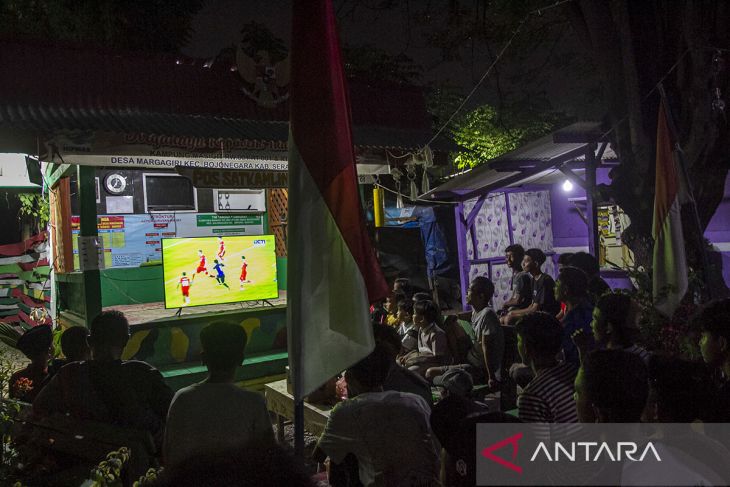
(411,407)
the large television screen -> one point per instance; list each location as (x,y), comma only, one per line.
(215,270)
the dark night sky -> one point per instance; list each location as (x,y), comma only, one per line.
(219,22)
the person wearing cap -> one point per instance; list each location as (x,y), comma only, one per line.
(455,405)
(35,344)
(543,288)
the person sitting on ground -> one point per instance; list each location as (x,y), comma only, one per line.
(391,307)
(128,393)
(682,392)
(520,282)
(216,414)
(386,432)
(402,285)
(548,398)
(407,330)
(614,326)
(597,287)
(25,384)
(484,358)
(74,348)
(714,321)
(455,405)
(612,386)
(543,288)
(571,289)
(399,378)
(433,346)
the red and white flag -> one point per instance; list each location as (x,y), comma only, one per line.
(670,276)
(333,274)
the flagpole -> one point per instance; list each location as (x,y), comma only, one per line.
(299,428)
(688,187)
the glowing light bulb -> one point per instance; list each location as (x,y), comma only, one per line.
(567,186)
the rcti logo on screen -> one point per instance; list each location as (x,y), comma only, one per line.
(259,243)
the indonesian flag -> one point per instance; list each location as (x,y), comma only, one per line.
(670,261)
(333,274)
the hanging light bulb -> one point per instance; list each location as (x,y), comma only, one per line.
(567,186)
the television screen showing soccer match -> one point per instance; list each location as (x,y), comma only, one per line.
(215,270)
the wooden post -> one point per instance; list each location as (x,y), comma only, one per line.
(62,198)
(592,208)
(88,220)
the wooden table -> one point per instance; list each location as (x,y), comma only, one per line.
(281,403)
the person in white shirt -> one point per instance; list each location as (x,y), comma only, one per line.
(386,433)
(216,415)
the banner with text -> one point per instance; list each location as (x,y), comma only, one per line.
(131,240)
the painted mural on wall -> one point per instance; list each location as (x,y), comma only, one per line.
(132,240)
(170,343)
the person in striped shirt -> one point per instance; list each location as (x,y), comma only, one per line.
(548,398)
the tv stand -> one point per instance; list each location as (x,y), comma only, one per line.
(178,313)
(266,301)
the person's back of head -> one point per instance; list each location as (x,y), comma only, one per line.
(572,284)
(564,259)
(616,315)
(108,334)
(713,319)
(681,390)
(539,337)
(615,383)
(74,345)
(585,262)
(388,338)
(36,343)
(369,374)
(223,345)
(421,297)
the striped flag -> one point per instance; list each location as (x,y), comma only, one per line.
(669,260)
(333,274)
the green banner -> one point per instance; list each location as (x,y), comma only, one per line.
(228,220)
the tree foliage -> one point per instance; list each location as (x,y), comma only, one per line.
(147,25)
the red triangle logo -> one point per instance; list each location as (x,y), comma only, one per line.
(512,440)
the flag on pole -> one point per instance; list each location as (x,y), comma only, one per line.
(669,260)
(333,274)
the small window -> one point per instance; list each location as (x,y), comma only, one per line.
(169,192)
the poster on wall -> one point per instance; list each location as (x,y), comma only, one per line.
(132,240)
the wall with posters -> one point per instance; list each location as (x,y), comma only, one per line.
(134,240)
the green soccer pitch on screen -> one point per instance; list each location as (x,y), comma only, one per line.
(213,270)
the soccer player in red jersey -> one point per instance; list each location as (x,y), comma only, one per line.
(244,270)
(221,249)
(184,284)
(202,267)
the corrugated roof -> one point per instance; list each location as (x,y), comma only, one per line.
(526,164)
